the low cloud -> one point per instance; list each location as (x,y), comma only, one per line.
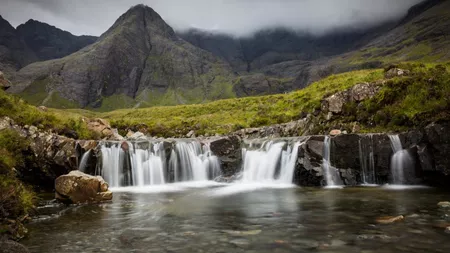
(235,17)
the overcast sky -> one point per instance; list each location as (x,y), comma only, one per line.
(237,17)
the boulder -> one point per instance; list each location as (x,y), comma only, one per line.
(396,72)
(101,127)
(335,102)
(363,91)
(77,187)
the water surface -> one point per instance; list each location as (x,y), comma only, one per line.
(250,218)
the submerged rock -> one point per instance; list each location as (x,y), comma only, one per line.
(77,187)
(447,230)
(389,219)
(444,204)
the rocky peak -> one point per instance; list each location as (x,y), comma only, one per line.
(141,16)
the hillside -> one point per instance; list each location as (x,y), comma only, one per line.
(401,103)
(139,61)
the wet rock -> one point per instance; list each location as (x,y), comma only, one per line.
(444,204)
(77,187)
(389,219)
(8,246)
(228,150)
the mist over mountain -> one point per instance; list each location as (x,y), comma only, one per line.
(238,18)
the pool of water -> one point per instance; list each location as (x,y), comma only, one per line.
(249,218)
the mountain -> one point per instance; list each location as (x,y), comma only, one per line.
(49,42)
(35,41)
(139,61)
(14,53)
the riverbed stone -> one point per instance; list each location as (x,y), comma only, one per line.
(77,187)
(444,204)
(389,219)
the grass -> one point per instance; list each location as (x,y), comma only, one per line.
(16,199)
(25,114)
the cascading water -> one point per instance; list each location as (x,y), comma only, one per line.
(190,163)
(399,161)
(273,162)
(366,157)
(146,163)
(332,176)
(84,161)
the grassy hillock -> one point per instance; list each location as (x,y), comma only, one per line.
(404,102)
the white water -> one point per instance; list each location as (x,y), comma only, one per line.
(146,164)
(366,157)
(332,176)
(399,161)
(273,162)
(84,160)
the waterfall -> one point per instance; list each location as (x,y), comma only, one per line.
(366,158)
(146,163)
(332,176)
(191,162)
(399,161)
(273,162)
(84,161)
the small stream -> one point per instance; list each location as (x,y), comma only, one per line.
(249,218)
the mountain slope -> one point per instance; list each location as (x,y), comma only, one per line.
(139,61)
(49,42)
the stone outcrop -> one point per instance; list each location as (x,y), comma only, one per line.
(77,187)
(50,155)
(357,93)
